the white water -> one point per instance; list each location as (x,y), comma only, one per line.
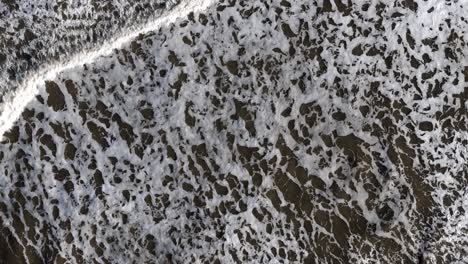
(28,90)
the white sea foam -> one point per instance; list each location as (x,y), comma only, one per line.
(27,92)
(365,191)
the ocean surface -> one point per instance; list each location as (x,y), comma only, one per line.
(223,131)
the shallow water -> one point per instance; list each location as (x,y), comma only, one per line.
(251,132)
(37,33)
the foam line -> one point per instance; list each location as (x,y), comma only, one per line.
(29,88)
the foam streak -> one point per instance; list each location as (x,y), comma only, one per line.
(29,89)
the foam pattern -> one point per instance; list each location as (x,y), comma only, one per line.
(253,132)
